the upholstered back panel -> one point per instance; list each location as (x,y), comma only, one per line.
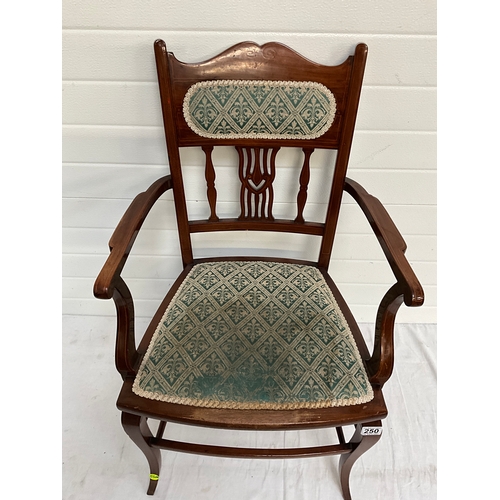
(252,109)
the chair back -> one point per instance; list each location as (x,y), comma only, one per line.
(259,99)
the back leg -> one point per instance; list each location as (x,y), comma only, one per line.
(365,436)
(138,430)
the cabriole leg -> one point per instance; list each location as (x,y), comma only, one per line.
(365,436)
(138,430)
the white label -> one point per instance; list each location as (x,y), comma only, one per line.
(371,431)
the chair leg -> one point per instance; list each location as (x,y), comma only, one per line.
(365,436)
(138,430)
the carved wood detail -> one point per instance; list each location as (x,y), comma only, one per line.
(257,169)
(304,182)
(210,178)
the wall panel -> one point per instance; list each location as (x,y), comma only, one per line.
(296,16)
(114,55)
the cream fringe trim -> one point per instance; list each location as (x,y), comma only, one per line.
(238,405)
(253,135)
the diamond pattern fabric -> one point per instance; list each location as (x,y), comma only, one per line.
(249,334)
(227,109)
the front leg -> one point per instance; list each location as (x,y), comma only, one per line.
(365,436)
(138,430)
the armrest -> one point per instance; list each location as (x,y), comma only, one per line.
(125,234)
(391,241)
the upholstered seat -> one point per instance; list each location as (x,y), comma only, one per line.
(247,335)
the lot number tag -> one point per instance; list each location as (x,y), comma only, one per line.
(371,431)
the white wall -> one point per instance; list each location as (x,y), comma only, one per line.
(113,145)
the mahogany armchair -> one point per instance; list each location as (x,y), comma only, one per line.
(256,343)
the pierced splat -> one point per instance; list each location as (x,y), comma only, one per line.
(257,168)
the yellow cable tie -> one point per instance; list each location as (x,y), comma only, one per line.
(154,477)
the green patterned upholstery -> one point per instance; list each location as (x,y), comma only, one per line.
(251,334)
(228,109)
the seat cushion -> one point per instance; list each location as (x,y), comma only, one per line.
(251,334)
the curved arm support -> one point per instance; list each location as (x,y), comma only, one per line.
(125,350)
(124,236)
(381,363)
(391,241)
